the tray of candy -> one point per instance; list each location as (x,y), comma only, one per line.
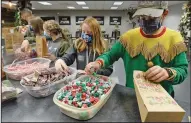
(82,98)
(47,82)
(22,68)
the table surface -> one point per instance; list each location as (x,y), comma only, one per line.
(121,106)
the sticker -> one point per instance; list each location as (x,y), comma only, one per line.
(81,58)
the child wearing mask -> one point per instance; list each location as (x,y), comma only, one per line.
(151,43)
(85,49)
(59,44)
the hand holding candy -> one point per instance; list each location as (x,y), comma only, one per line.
(60,65)
(92,67)
(156,74)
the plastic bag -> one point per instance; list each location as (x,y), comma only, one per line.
(8,91)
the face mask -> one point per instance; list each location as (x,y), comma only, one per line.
(30,28)
(47,35)
(88,38)
(150,26)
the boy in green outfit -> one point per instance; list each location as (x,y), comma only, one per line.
(149,43)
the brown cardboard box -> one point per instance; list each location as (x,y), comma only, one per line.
(155,104)
(41,46)
(13,40)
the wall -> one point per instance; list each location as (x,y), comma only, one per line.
(73,13)
(172,20)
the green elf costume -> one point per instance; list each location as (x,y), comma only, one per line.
(165,49)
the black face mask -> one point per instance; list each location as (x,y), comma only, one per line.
(150,26)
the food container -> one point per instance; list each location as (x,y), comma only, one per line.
(83,113)
(16,75)
(47,90)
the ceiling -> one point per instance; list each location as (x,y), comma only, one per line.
(93,5)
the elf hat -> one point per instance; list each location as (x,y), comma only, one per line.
(151,8)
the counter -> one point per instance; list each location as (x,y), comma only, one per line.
(122,106)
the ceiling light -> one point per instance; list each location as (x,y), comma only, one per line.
(117,3)
(71,7)
(33,8)
(85,7)
(114,7)
(8,3)
(45,3)
(80,2)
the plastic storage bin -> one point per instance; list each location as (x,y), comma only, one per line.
(18,75)
(83,113)
(47,90)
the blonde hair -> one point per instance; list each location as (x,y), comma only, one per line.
(54,27)
(37,24)
(98,42)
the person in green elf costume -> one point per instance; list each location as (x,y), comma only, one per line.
(152,48)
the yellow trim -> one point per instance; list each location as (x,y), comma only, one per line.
(167,46)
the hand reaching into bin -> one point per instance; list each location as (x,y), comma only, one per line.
(92,67)
(60,65)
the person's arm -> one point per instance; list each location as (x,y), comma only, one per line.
(106,71)
(180,67)
(62,49)
(112,55)
(69,57)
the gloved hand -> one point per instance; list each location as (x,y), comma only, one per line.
(61,66)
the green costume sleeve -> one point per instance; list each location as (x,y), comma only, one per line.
(113,54)
(180,65)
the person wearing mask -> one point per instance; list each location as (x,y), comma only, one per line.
(59,44)
(151,43)
(25,51)
(85,49)
(26,15)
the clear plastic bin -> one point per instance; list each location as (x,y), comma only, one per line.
(83,113)
(47,90)
(18,75)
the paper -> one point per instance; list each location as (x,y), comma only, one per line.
(41,46)
(155,104)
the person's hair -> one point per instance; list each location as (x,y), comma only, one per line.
(53,27)
(26,10)
(98,42)
(37,24)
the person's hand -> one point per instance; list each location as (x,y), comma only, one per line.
(81,72)
(52,57)
(156,74)
(60,65)
(25,46)
(92,67)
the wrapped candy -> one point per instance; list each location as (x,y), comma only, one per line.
(84,93)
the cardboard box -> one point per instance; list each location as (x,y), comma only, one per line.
(155,104)
(41,46)
(13,40)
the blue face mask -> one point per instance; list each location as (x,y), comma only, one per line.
(30,28)
(88,38)
(151,25)
(47,35)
